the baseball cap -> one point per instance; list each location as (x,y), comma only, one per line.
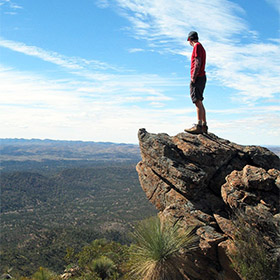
(193,35)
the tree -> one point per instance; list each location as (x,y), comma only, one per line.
(157,252)
(103,267)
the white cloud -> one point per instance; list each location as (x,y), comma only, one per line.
(75,64)
(172,20)
(251,68)
(39,107)
(40,53)
(134,50)
(255,129)
(33,106)
(10,4)
(36,107)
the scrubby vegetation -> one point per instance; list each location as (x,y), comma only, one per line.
(45,212)
(154,254)
(257,255)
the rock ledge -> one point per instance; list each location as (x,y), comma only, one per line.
(203,180)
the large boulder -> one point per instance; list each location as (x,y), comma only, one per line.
(201,180)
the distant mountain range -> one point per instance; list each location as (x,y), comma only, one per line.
(41,150)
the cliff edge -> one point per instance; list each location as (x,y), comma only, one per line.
(203,180)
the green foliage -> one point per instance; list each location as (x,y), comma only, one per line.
(43,214)
(44,274)
(103,267)
(100,247)
(101,252)
(156,253)
(254,257)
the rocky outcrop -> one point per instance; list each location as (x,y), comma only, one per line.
(202,180)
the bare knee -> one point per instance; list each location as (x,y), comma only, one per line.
(198,104)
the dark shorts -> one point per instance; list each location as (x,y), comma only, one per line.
(197,88)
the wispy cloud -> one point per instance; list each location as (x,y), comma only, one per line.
(135,50)
(62,108)
(252,69)
(52,57)
(95,80)
(71,63)
(67,109)
(30,89)
(11,4)
(236,56)
(256,128)
(171,20)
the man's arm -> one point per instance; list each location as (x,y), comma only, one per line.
(197,65)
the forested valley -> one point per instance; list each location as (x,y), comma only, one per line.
(50,206)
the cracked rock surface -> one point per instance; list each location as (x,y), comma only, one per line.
(202,180)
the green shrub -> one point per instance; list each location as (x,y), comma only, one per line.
(103,267)
(98,257)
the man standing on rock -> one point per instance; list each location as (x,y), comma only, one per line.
(198,81)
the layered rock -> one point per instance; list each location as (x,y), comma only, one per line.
(202,180)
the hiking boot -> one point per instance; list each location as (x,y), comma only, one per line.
(196,129)
(205,129)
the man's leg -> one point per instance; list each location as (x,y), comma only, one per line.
(196,92)
(201,114)
(201,126)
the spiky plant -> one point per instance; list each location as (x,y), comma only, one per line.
(103,267)
(156,254)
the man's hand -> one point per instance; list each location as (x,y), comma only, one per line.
(193,80)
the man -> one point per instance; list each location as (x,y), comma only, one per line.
(198,81)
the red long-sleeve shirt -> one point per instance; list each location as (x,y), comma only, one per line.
(198,51)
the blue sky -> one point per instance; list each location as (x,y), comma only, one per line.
(99,70)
